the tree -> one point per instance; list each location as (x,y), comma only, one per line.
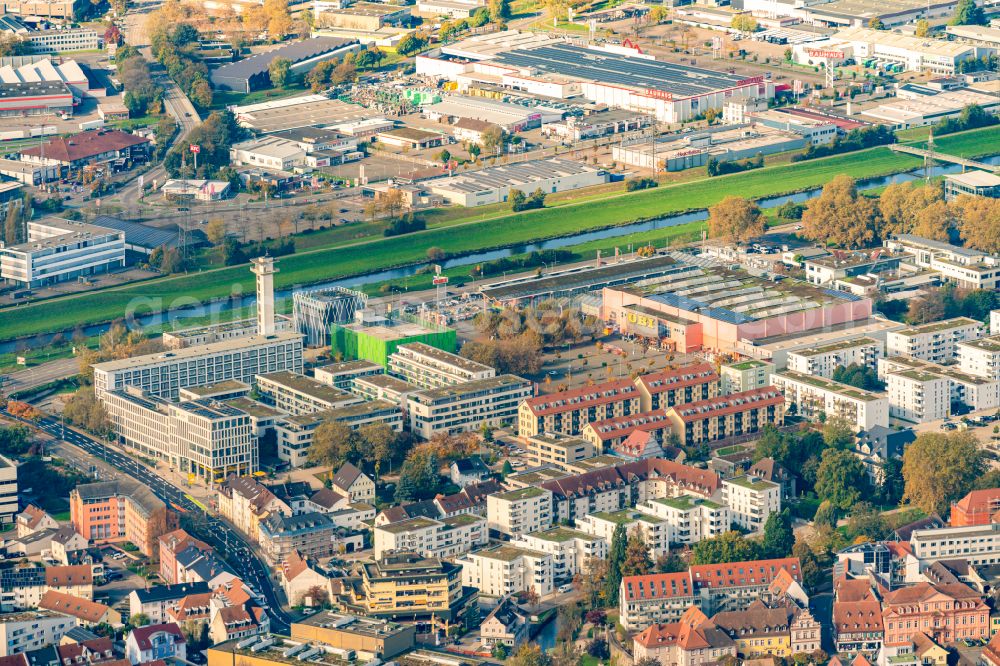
(278,70)
(826,515)
(935,221)
(345,72)
(507,469)
(744,23)
(868,524)
(382,443)
(778,536)
(598,648)
(15,440)
(410,44)
(138,620)
(838,432)
(491,138)
(499,651)
(979,222)
(333,444)
(735,219)
(444,156)
(12,45)
(812,572)
(216,231)
(279,21)
(840,479)
(729,546)
(419,477)
(892,486)
(841,216)
(939,468)
(923,28)
(637,560)
(968,12)
(499,10)
(616,559)
(596,617)
(900,203)
(435,254)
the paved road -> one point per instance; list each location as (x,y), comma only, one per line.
(238,553)
(38,375)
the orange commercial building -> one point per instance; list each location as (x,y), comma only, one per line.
(124,510)
(976,508)
(946,613)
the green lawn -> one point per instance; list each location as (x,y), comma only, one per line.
(474,233)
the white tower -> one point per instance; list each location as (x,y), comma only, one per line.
(263,268)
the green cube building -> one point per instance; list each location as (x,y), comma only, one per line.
(375,342)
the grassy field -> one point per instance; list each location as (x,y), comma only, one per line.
(473,233)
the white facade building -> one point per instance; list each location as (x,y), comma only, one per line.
(745,375)
(297,394)
(918,396)
(822,361)
(751,500)
(812,396)
(503,570)
(978,545)
(467,406)
(571,550)
(689,519)
(965,388)
(994,322)
(654,530)
(445,538)
(980,357)
(520,511)
(58,250)
(31,630)
(429,367)
(962,266)
(495,184)
(935,342)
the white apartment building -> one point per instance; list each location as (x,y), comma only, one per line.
(557,449)
(8,491)
(811,396)
(201,437)
(965,267)
(980,357)
(744,375)
(58,250)
(689,519)
(503,570)
(994,322)
(429,367)
(163,374)
(342,375)
(520,511)
(295,433)
(571,550)
(654,530)
(918,396)
(975,392)
(31,630)
(751,500)
(936,342)
(977,544)
(298,394)
(445,538)
(822,361)
(467,406)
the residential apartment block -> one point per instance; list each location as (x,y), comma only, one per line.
(571,550)
(567,412)
(24,631)
(946,613)
(520,511)
(468,406)
(745,375)
(8,492)
(732,415)
(811,396)
(445,538)
(504,570)
(295,433)
(918,396)
(309,534)
(936,342)
(610,434)
(297,394)
(163,374)
(823,360)
(964,388)
(342,375)
(654,598)
(751,500)
(428,367)
(689,519)
(654,530)
(980,357)
(123,510)
(677,386)
(556,449)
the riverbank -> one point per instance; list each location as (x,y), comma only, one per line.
(475,235)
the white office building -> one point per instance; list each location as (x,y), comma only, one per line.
(962,266)
(430,367)
(809,396)
(444,538)
(295,433)
(978,545)
(751,501)
(654,530)
(504,570)
(823,360)
(689,519)
(467,406)
(58,250)
(936,342)
(571,550)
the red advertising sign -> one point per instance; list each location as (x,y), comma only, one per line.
(659,94)
(440,279)
(824,54)
(195,148)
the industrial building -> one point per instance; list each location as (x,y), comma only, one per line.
(719,309)
(252,73)
(494,184)
(302,111)
(975,183)
(316,310)
(58,250)
(562,69)
(921,111)
(857,13)
(362,16)
(509,117)
(724,143)
(63,40)
(35,99)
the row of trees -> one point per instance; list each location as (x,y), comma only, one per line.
(949,301)
(142,96)
(215,135)
(175,46)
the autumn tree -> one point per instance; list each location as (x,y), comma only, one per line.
(381,444)
(939,468)
(333,444)
(979,222)
(744,23)
(735,219)
(934,221)
(637,560)
(499,10)
(841,478)
(841,216)
(900,203)
(215,230)
(923,28)
(729,546)
(419,478)
(278,71)
(279,21)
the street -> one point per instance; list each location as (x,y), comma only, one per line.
(226,540)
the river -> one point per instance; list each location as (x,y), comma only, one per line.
(218,307)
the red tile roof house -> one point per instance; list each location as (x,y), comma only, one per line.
(88,148)
(155,641)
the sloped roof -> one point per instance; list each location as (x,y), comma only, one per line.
(346,476)
(82,609)
(857,616)
(582,398)
(658,586)
(85,145)
(326,498)
(143,635)
(76,574)
(853,589)
(744,574)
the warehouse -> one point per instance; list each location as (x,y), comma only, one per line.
(494,184)
(35,99)
(363,16)
(903,113)
(914,54)
(298,112)
(36,69)
(510,117)
(252,73)
(724,143)
(668,91)
(856,13)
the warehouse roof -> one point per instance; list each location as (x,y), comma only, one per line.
(295,52)
(589,64)
(521,174)
(139,234)
(84,145)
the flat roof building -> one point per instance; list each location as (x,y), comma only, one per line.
(429,367)
(295,433)
(935,341)
(812,395)
(297,394)
(342,375)
(467,406)
(494,184)
(58,250)
(964,388)
(379,638)
(823,360)
(975,183)
(252,73)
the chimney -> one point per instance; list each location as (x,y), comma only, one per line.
(263,268)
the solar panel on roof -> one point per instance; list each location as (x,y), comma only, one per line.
(840,294)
